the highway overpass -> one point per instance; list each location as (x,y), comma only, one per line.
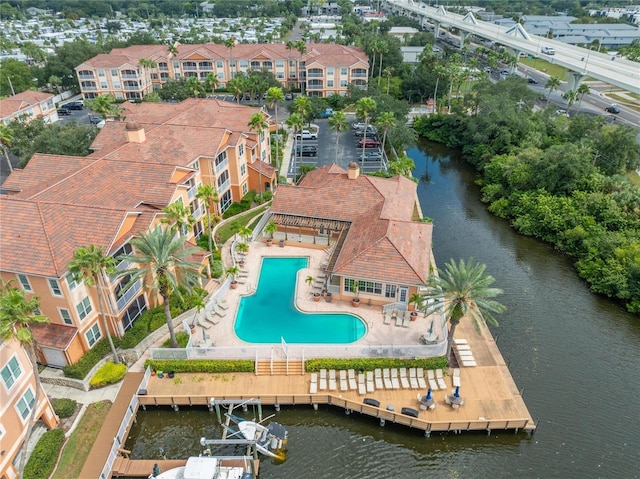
(579,62)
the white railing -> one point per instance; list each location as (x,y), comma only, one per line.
(394,306)
(192,192)
(223,187)
(128,295)
(197,214)
(222,165)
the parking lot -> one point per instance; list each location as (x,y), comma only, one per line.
(342,153)
(79,116)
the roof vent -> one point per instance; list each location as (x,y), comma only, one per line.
(135,133)
(354,171)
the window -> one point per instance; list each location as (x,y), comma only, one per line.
(280,75)
(84,308)
(343,83)
(232,63)
(114,72)
(244,63)
(279,63)
(241,150)
(100,72)
(264,155)
(329,83)
(103,85)
(116,84)
(292,63)
(11,372)
(225,201)
(329,71)
(219,64)
(222,179)
(93,335)
(24,281)
(133,312)
(55,287)
(245,189)
(243,169)
(221,158)
(25,404)
(176,65)
(66,316)
(363,286)
(71,282)
(343,71)
(390,291)
(221,76)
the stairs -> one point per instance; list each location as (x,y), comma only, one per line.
(279,368)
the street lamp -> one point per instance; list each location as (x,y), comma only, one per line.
(586,63)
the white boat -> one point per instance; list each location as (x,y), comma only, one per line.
(205,467)
(270,440)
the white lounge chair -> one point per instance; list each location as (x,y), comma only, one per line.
(323,380)
(462,347)
(394,378)
(222,305)
(464,354)
(370,385)
(362,388)
(203,323)
(469,363)
(313,388)
(219,311)
(399,320)
(344,385)
(352,380)
(404,380)
(378,379)
(413,378)
(440,379)
(387,317)
(421,382)
(459,341)
(455,377)
(211,318)
(332,380)
(386,376)
(406,321)
(433,384)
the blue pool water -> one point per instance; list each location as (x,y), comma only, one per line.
(270,314)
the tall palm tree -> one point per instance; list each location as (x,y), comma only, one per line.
(338,122)
(275,95)
(259,123)
(466,291)
(296,122)
(6,138)
(146,64)
(172,50)
(194,87)
(90,264)
(388,72)
(301,46)
(178,217)
(302,106)
(583,90)
(386,120)
(384,48)
(364,108)
(236,85)
(571,96)
(440,71)
(163,263)
(230,43)
(104,105)
(552,84)
(16,318)
(209,196)
(211,82)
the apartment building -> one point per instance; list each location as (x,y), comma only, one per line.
(17,400)
(28,104)
(159,155)
(323,70)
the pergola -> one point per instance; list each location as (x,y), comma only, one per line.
(298,223)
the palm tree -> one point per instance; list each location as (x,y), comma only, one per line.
(16,317)
(388,72)
(453,72)
(583,90)
(163,263)
(552,84)
(338,122)
(301,46)
(259,123)
(384,47)
(364,108)
(230,43)
(194,87)
(211,82)
(146,64)
(172,50)
(302,105)
(104,105)
(571,96)
(6,138)
(178,217)
(209,196)
(466,291)
(275,96)
(90,264)
(440,71)
(386,120)
(236,85)
(296,122)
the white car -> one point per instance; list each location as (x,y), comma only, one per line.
(306,135)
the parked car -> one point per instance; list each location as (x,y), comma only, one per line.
(548,50)
(63,112)
(73,105)
(368,143)
(487,69)
(288,96)
(562,113)
(373,156)
(613,109)
(326,113)
(307,150)
(358,126)
(306,135)
(371,131)
(95,119)
(533,81)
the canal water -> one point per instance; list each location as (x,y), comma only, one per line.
(573,354)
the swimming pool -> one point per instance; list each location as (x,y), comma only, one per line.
(270,314)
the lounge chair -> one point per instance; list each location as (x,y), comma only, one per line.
(344,385)
(468,363)
(370,385)
(404,380)
(313,388)
(406,321)
(399,320)
(455,377)
(222,305)
(352,380)
(421,382)
(433,384)
(386,376)
(219,311)
(211,318)
(203,323)
(378,379)
(323,380)
(468,355)
(387,317)
(459,341)
(362,389)
(462,347)
(440,379)
(332,380)
(394,378)
(413,379)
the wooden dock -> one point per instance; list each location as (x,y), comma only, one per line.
(123,467)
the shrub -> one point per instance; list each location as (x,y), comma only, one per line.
(64,407)
(367,364)
(109,373)
(201,366)
(80,369)
(44,456)
(181,337)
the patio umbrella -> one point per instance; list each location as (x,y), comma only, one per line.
(429,394)
(457,393)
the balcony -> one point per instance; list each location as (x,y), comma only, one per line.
(359,75)
(131,293)
(163,69)
(206,67)
(129,75)
(192,192)
(223,187)
(221,166)
(197,214)
(86,76)
(315,75)
(132,88)
(314,87)
(189,68)
(89,88)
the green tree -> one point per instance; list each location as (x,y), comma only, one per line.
(16,318)
(209,196)
(552,84)
(275,96)
(91,265)
(152,97)
(211,82)
(386,120)
(194,87)
(237,86)
(259,124)
(104,105)
(440,72)
(583,90)
(296,122)
(174,90)
(466,291)
(230,43)
(365,107)
(571,96)
(163,263)
(178,217)
(302,106)
(338,122)
(6,139)
(15,77)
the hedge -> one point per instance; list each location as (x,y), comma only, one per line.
(201,366)
(181,337)
(109,373)
(369,364)
(44,456)
(80,369)
(64,407)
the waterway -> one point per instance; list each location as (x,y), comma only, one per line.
(574,355)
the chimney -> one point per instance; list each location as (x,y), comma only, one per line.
(354,171)
(135,133)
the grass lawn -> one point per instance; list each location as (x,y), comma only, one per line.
(544,66)
(228,230)
(77,449)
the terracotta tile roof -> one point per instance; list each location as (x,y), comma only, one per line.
(19,101)
(58,336)
(265,169)
(383,243)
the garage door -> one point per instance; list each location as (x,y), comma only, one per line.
(55,357)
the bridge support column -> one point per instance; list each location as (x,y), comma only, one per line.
(436,28)
(463,38)
(574,79)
